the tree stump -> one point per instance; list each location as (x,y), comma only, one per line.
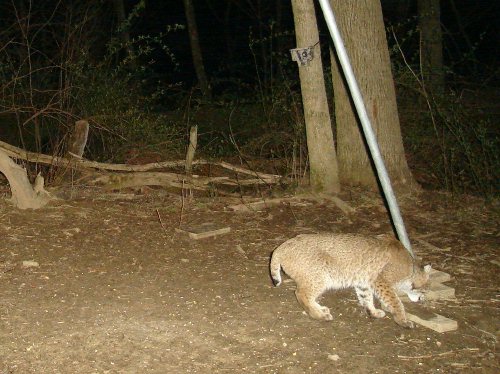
(24,196)
(78,139)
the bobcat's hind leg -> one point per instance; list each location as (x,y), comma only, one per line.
(365,298)
(307,299)
(391,302)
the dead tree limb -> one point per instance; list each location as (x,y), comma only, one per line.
(119,176)
(116,181)
(83,164)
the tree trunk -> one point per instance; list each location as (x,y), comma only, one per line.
(321,149)
(119,8)
(431,45)
(196,50)
(362,28)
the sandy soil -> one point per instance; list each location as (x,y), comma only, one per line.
(118,290)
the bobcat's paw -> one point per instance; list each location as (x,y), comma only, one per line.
(326,315)
(377,313)
(323,314)
(405,323)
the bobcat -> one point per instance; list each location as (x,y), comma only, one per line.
(377,266)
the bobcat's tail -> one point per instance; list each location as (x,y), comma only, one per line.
(275,269)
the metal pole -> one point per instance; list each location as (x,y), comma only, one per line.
(366,125)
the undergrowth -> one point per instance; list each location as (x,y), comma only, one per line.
(453,146)
(452,143)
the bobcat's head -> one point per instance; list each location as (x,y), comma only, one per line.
(420,275)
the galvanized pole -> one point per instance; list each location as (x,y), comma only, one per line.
(366,125)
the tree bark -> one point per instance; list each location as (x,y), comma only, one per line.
(321,148)
(196,50)
(362,28)
(431,45)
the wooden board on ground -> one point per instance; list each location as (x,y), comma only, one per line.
(437,323)
(204,230)
(258,205)
(434,291)
(439,291)
(439,276)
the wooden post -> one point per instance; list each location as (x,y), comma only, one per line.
(193,141)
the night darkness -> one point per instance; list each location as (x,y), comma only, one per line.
(225,28)
(66,60)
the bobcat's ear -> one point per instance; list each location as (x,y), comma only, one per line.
(427,268)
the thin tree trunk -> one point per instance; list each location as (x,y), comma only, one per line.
(120,18)
(362,28)
(278,29)
(38,136)
(196,50)
(431,45)
(321,149)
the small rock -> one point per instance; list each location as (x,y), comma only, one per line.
(30,264)
(334,357)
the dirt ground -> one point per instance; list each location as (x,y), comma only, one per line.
(118,290)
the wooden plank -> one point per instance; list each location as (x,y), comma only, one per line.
(438,276)
(259,205)
(205,230)
(437,323)
(439,291)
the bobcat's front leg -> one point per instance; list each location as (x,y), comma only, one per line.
(391,302)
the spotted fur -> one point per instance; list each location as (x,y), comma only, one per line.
(373,266)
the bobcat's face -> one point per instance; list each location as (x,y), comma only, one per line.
(421,276)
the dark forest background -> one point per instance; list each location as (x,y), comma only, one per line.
(134,80)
